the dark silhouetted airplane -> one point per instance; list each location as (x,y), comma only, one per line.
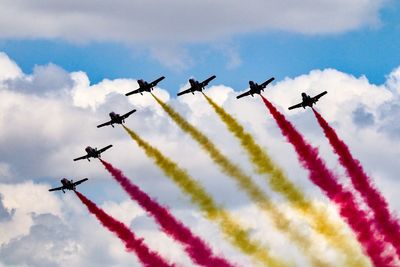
(93,153)
(256,88)
(145,86)
(197,86)
(116,118)
(68,184)
(308,101)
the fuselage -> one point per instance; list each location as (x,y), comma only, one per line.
(68,184)
(144,86)
(195,85)
(254,88)
(116,118)
(92,152)
(307,100)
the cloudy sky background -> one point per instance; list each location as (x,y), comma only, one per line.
(65,66)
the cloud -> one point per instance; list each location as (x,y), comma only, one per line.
(40,247)
(21,202)
(165,29)
(393,80)
(5,214)
(390,115)
(172,56)
(390,112)
(362,117)
(231,53)
(47,231)
(8,68)
(41,131)
(5,172)
(179,21)
(47,139)
(44,79)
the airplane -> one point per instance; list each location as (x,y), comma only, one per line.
(93,153)
(308,101)
(68,184)
(256,88)
(197,86)
(145,86)
(116,118)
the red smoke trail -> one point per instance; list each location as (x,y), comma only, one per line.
(388,225)
(197,249)
(132,243)
(320,175)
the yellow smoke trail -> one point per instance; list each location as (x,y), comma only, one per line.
(280,183)
(245,182)
(234,232)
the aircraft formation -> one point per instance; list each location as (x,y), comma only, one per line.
(176,228)
(144,86)
(379,224)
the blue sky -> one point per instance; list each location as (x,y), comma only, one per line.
(369,50)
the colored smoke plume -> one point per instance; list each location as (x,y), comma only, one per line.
(321,176)
(387,224)
(132,243)
(280,183)
(245,183)
(236,234)
(196,248)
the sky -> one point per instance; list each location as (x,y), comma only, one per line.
(65,65)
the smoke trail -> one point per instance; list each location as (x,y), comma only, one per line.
(320,175)
(233,231)
(388,225)
(245,183)
(197,249)
(132,243)
(280,183)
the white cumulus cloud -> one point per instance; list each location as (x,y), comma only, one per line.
(40,133)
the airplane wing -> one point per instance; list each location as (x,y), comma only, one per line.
(57,188)
(185,91)
(105,148)
(296,106)
(134,92)
(319,96)
(244,94)
(104,124)
(81,181)
(264,84)
(155,82)
(83,157)
(206,81)
(128,114)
